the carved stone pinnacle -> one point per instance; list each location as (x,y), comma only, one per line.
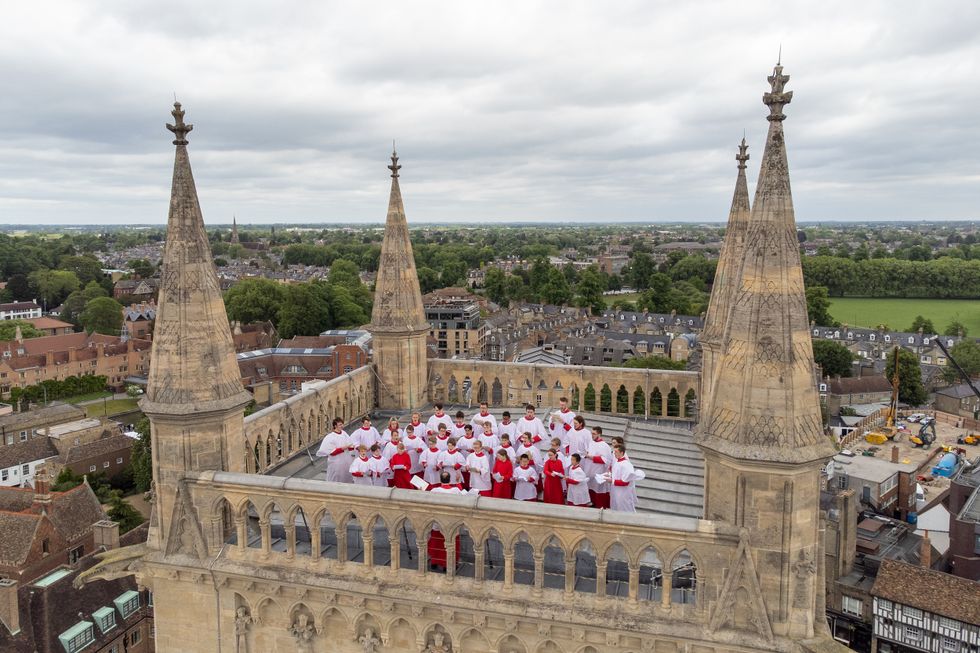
(180,129)
(394,167)
(742,155)
(777,98)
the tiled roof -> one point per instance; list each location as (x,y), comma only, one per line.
(858,384)
(71,513)
(932,591)
(100,447)
(54,413)
(19,453)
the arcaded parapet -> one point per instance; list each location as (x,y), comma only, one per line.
(278,431)
(651,393)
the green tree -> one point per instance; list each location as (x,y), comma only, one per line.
(818,306)
(834,358)
(254,300)
(955,328)
(302,313)
(589,291)
(73,306)
(495,286)
(86,268)
(102,315)
(18,288)
(428,279)
(967,354)
(8,329)
(141,268)
(910,389)
(124,513)
(655,362)
(556,290)
(53,286)
(922,323)
(141,457)
(66,480)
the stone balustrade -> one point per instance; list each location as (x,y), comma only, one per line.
(280,430)
(562,557)
(616,390)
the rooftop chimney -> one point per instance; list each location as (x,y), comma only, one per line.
(106,534)
(9,608)
(42,485)
(925,551)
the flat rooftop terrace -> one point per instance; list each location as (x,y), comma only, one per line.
(663,449)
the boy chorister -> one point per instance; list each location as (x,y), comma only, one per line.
(360,469)
(452,460)
(526,479)
(336,447)
(429,460)
(479,464)
(578,483)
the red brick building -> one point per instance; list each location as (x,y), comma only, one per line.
(41,530)
(28,362)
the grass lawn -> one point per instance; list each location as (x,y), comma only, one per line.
(86,397)
(111,407)
(898,314)
(629,297)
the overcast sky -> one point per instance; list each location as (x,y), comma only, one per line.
(503,111)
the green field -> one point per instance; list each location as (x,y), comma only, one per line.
(110,407)
(898,314)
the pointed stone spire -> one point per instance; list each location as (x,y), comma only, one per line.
(719,307)
(397,296)
(192,365)
(398,325)
(764,403)
(234,230)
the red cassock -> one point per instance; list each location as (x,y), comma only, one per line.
(552,484)
(403,476)
(437,549)
(503,489)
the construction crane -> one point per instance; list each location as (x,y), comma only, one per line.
(888,430)
(962,372)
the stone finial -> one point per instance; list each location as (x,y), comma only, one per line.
(18,334)
(180,128)
(743,154)
(394,167)
(777,98)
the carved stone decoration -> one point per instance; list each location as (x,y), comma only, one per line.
(303,632)
(438,642)
(804,569)
(369,641)
(742,575)
(185,536)
(243,621)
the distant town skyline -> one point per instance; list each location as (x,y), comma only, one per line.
(542,112)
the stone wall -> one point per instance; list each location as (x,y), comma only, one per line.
(615,390)
(325,563)
(276,432)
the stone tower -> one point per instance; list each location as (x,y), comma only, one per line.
(398,325)
(234,230)
(721,291)
(194,396)
(761,429)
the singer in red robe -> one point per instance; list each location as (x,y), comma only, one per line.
(401,466)
(502,473)
(552,484)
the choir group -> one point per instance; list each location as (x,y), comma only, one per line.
(499,459)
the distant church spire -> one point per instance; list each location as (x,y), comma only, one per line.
(722,291)
(192,365)
(234,230)
(769,409)
(397,296)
